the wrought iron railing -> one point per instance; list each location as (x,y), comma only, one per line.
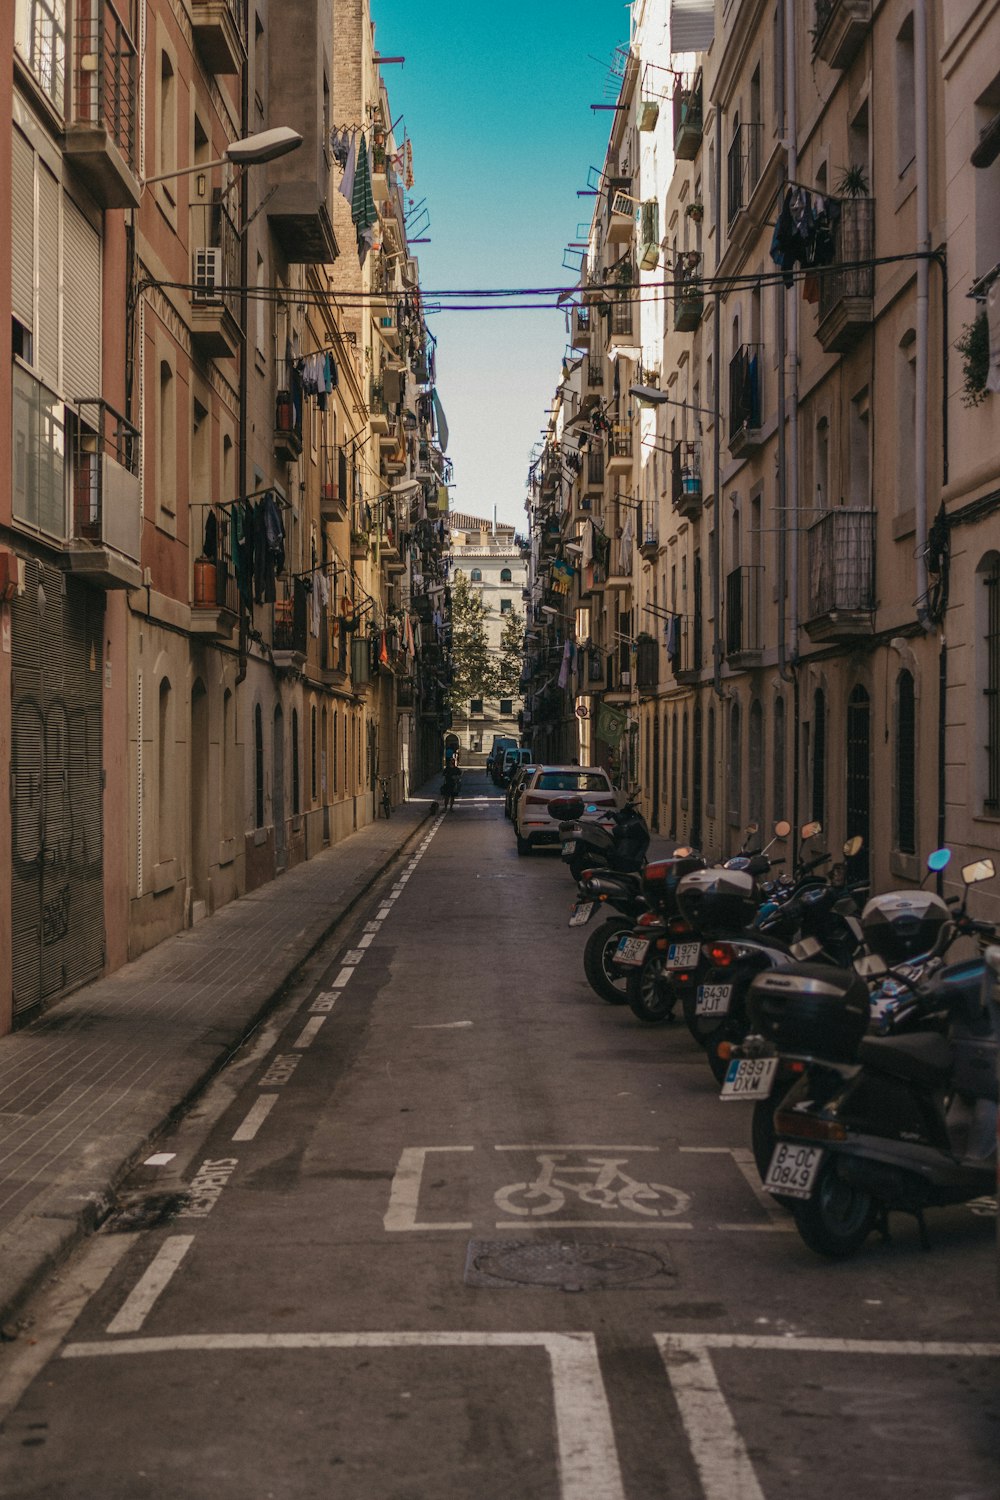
(620,443)
(595,467)
(216,241)
(685,474)
(289,616)
(851,273)
(743,167)
(841,562)
(106,76)
(743,610)
(107,504)
(744,389)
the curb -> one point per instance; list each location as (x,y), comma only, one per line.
(61,1229)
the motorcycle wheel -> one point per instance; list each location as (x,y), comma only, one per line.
(601,946)
(706,1030)
(838,1218)
(650,1002)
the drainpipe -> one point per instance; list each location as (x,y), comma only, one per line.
(923,301)
(716,560)
(244,379)
(792,473)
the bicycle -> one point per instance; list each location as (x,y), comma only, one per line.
(385,799)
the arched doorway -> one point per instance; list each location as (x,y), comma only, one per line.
(278,793)
(198,792)
(858,808)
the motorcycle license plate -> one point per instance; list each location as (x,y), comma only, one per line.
(569,847)
(631,950)
(581,913)
(793,1170)
(713,1000)
(749,1078)
(683,955)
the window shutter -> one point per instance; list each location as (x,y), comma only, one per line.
(650,222)
(47,331)
(81,305)
(23,226)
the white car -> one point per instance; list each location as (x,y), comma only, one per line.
(534,824)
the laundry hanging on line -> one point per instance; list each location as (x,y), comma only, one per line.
(805,235)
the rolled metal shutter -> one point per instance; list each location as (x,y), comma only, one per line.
(81,305)
(48,240)
(23,231)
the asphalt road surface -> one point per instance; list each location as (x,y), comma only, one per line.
(452,1227)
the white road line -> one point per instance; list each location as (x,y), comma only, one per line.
(440,1025)
(309,1032)
(576,1148)
(384,912)
(719,1452)
(588,1458)
(366,940)
(323,1003)
(372,927)
(541,1223)
(404,1196)
(259,1112)
(139,1302)
(342,978)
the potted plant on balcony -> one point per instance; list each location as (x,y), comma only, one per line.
(852,183)
(974,347)
(695,210)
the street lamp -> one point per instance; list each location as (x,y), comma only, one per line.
(266,145)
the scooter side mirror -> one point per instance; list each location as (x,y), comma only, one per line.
(782,829)
(939,859)
(979,870)
(752,828)
(854,846)
(810,830)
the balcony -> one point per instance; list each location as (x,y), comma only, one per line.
(219,28)
(581,329)
(101,139)
(289,632)
(333,641)
(378,411)
(593,480)
(840,552)
(840,29)
(394,454)
(297,189)
(743,638)
(594,382)
(687,121)
(650,546)
(620,225)
(689,298)
(846,288)
(743,168)
(287,434)
(647,663)
(382,174)
(688,658)
(685,479)
(744,400)
(215,605)
(105,546)
(333,483)
(620,323)
(361,670)
(618,452)
(215,269)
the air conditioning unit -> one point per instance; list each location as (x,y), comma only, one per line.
(207,273)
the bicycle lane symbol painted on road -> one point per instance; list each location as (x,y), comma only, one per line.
(587,1178)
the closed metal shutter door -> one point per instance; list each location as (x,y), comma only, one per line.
(23,231)
(81,305)
(57,886)
(47,331)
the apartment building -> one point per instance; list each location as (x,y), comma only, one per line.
(807,624)
(216,566)
(492,558)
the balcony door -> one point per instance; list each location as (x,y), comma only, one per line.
(859,778)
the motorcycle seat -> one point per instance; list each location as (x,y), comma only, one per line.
(924,1057)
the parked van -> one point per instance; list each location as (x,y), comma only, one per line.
(501,742)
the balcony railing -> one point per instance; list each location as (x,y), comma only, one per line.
(847,286)
(216,252)
(289,631)
(107,504)
(689,300)
(595,468)
(841,563)
(595,375)
(744,394)
(619,443)
(687,121)
(220,589)
(743,167)
(581,327)
(621,319)
(743,611)
(685,478)
(840,29)
(102,135)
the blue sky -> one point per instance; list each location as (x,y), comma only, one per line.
(496,100)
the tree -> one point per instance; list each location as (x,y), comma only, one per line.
(511,655)
(473,673)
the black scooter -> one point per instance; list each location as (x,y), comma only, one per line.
(613,838)
(911,1125)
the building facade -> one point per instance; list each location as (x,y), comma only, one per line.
(223,514)
(787,584)
(492,558)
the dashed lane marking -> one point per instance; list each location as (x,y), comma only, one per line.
(343,977)
(309,1032)
(588,1457)
(139,1302)
(259,1111)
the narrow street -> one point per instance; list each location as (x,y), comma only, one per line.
(452,1226)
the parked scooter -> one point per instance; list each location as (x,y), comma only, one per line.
(613,838)
(908,1126)
(661,955)
(598,892)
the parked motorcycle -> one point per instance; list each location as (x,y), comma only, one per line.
(623,893)
(612,838)
(661,955)
(911,1123)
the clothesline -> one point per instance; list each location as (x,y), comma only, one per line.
(241,499)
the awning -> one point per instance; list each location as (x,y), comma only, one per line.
(692,25)
(439,418)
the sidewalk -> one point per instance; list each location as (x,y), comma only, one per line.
(84,1089)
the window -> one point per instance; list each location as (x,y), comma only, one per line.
(476,706)
(821,470)
(505,606)
(506,576)
(39,496)
(166,146)
(313,753)
(905,77)
(986,185)
(40,39)
(735,762)
(259,310)
(166,480)
(860,452)
(258,748)
(685,761)
(476,576)
(819,756)
(990,608)
(165,765)
(506,707)
(906,758)
(710,764)
(296,789)
(778,792)
(755,764)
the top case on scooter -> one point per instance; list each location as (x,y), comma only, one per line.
(811,1010)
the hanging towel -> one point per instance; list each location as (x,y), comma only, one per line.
(672,636)
(209,547)
(350,167)
(567,659)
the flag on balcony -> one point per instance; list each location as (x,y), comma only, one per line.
(610,725)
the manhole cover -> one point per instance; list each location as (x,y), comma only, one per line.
(581,1266)
(149,1212)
